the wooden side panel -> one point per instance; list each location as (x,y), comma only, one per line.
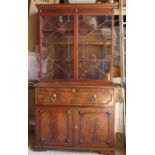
(54,126)
(31,98)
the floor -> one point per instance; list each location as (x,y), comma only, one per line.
(31,152)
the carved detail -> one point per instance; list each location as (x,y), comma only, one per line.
(107,97)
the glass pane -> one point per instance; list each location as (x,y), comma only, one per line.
(57,47)
(95,47)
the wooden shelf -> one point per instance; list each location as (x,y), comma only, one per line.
(58,29)
(80,60)
(92,60)
(96,43)
(84,43)
(59,60)
(66,29)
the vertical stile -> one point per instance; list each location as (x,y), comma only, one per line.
(76,23)
(112,46)
(40,37)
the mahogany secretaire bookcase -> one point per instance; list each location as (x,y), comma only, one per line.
(74,107)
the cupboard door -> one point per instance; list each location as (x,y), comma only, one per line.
(94,127)
(54,126)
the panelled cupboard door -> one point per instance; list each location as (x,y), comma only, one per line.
(94,127)
(54,126)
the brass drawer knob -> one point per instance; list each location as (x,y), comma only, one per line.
(93,98)
(53,97)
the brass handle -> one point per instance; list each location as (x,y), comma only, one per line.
(93,98)
(53,97)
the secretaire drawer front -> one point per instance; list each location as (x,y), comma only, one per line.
(54,96)
(94,97)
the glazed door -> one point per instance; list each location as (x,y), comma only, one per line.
(54,126)
(56,47)
(94,127)
(95,53)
